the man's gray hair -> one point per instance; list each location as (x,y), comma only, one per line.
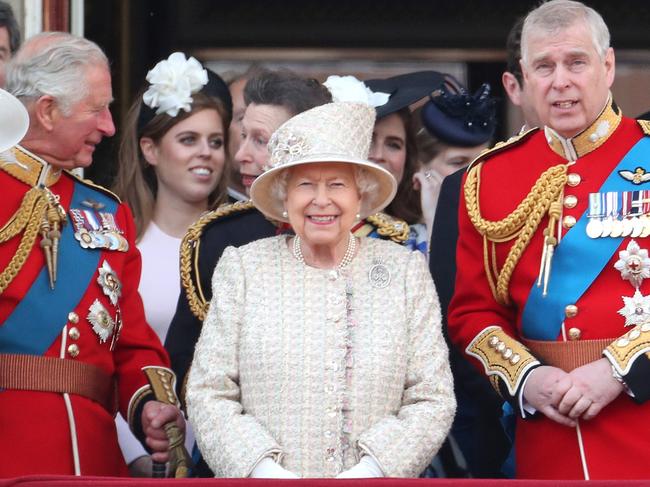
(556,15)
(54,64)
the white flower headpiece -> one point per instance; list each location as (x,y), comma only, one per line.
(173,82)
(350,89)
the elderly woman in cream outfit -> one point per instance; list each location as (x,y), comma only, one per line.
(321,354)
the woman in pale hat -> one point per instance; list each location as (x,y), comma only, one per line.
(172,168)
(321,354)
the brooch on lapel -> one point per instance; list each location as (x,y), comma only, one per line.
(379,275)
(639,176)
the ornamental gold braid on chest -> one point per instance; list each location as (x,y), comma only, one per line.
(39,212)
(545,198)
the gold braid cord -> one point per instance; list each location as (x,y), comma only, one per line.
(189,259)
(28,217)
(520,224)
(387,226)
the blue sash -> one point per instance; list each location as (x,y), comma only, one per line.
(577,261)
(42,313)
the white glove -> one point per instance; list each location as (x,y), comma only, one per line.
(266,468)
(365,469)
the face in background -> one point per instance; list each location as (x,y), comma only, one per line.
(388,146)
(234,131)
(519,95)
(568,81)
(322,202)
(89,121)
(258,124)
(452,158)
(5,53)
(189,159)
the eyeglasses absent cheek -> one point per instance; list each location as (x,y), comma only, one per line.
(543,70)
(216,143)
(187,140)
(578,65)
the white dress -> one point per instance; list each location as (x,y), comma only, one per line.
(319,367)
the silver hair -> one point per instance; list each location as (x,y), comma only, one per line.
(555,15)
(54,64)
(366,186)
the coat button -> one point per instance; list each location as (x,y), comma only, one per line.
(570,201)
(573,179)
(568,221)
(74,333)
(575,333)
(73,317)
(73,350)
(571,310)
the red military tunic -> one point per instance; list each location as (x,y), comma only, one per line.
(615,442)
(43,432)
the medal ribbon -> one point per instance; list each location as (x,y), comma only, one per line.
(39,317)
(571,275)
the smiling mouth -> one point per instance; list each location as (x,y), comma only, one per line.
(321,219)
(564,105)
(201,171)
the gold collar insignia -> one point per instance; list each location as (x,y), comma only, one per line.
(589,139)
(28,167)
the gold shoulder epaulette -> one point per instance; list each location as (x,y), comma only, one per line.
(502,145)
(90,184)
(189,255)
(392,228)
(645,126)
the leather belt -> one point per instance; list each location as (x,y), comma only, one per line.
(568,355)
(50,374)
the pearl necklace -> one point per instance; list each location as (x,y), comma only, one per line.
(347,257)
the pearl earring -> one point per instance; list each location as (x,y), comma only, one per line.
(358,216)
(285,214)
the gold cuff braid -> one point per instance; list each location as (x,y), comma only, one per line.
(521,223)
(623,351)
(502,356)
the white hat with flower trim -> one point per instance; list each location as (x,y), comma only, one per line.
(14,120)
(173,82)
(338,132)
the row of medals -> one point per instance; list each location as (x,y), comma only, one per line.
(606,220)
(97,230)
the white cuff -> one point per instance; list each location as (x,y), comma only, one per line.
(365,469)
(266,468)
(524,406)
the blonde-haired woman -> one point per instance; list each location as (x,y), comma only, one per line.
(171,170)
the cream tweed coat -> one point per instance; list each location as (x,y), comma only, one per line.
(316,368)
